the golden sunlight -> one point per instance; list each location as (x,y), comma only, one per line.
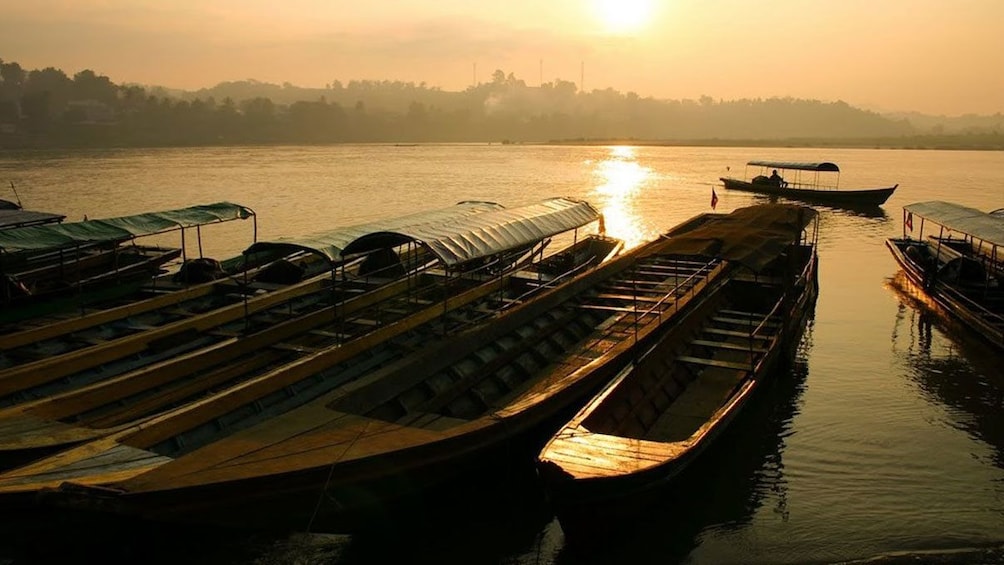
(622,16)
(620,179)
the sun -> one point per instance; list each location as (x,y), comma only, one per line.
(623,16)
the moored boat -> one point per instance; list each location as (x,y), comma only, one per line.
(256,456)
(85,405)
(651,421)
(959,265)
(46,268)
(13,214)
(809,188)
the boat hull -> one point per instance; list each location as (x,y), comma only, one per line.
(862,197)
(591,513)
(354,491)
(591,505)
(986,322)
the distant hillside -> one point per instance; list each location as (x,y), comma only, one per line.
(47,108)
(969,123)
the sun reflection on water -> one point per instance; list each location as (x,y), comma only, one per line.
(620,182)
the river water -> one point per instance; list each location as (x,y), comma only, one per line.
(885,441)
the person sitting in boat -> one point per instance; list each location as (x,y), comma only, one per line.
(778,180)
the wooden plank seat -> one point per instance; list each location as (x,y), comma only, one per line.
(727,345)
(730,333)
(747,321)
(714,363)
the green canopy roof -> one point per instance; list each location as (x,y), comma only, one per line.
(331,243)
(18,218)
(35,238)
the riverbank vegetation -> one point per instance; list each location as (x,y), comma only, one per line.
(46,108)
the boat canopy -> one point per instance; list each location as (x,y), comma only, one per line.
(791,166)
(970,221)
(752,236)
(330,244)
(483,235)
(17,218)
(55,236)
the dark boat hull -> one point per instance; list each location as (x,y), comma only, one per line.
(865,197)
(988,321)
(637,439)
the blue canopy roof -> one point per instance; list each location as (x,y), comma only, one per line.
(793,166)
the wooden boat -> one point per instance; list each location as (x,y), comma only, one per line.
(651,422)
(353,434)
(12,215)
(90,408)
(51,267)
(959,266)
(794,186)
(266,266)
(34,362)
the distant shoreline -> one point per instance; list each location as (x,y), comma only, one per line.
(919,143)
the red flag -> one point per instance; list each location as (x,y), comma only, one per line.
(714,198)
(909,220)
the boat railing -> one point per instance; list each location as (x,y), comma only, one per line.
(657,308)
(989,316)
(778,307)
(556,281)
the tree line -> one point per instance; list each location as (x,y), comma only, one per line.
(47,108)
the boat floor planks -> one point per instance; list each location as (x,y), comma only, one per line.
(656,416)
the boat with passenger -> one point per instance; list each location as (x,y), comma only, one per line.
(958,262)
(802,181)
(479,265)
(678,395)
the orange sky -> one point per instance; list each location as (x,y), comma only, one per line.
(931,56)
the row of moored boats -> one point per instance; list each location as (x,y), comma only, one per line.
(334,374)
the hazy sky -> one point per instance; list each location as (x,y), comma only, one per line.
(932,56)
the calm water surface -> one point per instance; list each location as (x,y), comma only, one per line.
(885,438)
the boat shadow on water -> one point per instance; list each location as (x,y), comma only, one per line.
(960,372)
(738,474)
(464,523)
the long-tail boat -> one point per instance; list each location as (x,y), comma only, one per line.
(812,189)
(959,265)
(13,215)
(639,434)
(86,411)
(47,268)
(303,265)
(317,437)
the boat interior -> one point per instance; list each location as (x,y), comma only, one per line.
(100,403)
